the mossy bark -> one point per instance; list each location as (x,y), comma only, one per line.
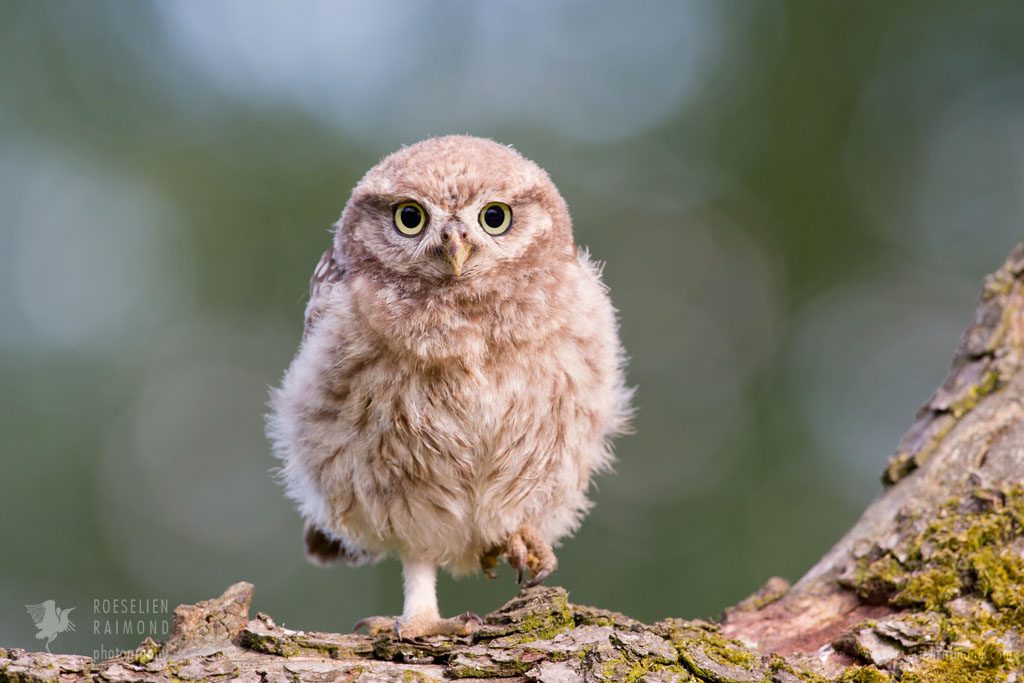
(927,586)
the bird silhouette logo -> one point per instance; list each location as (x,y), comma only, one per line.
(50,620)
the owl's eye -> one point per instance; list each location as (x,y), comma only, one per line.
(410,218)
(496,218)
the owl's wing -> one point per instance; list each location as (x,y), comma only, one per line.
(328,271)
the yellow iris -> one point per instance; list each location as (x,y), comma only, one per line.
(496,218)
(410,218)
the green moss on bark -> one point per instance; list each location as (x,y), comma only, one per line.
(864,674)
(966,567)
(986,663)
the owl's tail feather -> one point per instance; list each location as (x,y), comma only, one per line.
(325,549)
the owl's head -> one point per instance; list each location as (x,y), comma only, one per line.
(457,211)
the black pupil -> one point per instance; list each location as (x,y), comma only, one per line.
(410,217)
(494,217)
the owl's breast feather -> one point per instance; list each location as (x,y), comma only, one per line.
(410,423)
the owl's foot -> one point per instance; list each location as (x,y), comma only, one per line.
(489,560)
(420,627)
(377,626)
(461,625)
(527,550)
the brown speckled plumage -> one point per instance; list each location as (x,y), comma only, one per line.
(448,417)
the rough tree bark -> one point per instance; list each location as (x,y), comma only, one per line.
(927,586)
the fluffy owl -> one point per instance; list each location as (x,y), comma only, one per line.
(459,377)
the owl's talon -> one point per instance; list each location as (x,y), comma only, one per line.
(527,550)
(538,577)
(471,616)
(516,555)
(489,560)
(377,626)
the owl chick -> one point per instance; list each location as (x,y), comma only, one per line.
(459,377)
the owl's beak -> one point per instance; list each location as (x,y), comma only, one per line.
(456,250)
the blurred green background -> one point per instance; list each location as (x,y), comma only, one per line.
(796,201)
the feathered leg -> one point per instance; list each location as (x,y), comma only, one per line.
(421,617)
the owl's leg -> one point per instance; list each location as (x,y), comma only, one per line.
(420,617)
(527,550)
